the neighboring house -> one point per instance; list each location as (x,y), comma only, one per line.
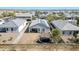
(32,12)
(65,27)
(74,22)
(43,16)
(39,25)
(15,25)
(70,16)
(26,16)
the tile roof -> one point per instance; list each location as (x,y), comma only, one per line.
(64,25)
(13,23)
(69,26)
(39,21)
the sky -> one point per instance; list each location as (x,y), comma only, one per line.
(42,8)
(39,3)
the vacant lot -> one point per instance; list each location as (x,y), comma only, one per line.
(29,38)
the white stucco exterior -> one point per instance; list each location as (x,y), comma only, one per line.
(40,28)
(39,25)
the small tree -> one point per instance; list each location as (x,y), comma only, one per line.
(1,16)
(4,14)
(75,34)
(55,32)
(11,14)
(50,18)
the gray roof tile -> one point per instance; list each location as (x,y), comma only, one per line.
(13,23)
(39,21)
(64,25)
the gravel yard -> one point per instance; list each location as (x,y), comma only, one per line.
(29,38)
(7,38)
(39,47)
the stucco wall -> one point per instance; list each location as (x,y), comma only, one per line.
(41,28)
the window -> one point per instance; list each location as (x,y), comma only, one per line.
(39,29)
(7,29)
(70,32)
(43,30)
(11,29)
(63,32)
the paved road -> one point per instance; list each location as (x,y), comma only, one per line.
(20,35)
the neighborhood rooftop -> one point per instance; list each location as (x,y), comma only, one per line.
(23,15)
(39,21)
(64,25)
(13,23)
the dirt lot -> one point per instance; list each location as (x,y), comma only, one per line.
(7,38)
(29,38)
(39,47)
(28,43)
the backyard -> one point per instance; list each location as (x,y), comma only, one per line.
(39,47)
(7,38)
(29,38)
(28,43)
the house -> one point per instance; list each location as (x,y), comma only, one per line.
(15,25)
(26,16)
(43,16)
(71,16)
(74,22)
(65,27)
(39,25)
(32,12)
